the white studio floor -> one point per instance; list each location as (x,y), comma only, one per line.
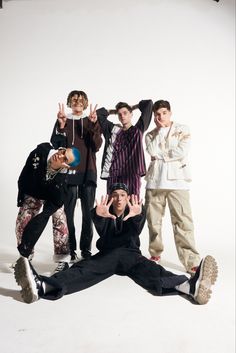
(115,316)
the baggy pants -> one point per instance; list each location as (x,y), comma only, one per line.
(120,261)
(182,223)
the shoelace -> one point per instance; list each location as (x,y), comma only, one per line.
(60,267)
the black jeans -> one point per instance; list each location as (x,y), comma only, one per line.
(121,261)
(86,193)
(35,228)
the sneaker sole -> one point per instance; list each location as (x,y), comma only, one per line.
(22,273)
(207,278)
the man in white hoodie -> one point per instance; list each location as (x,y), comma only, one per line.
(168,180)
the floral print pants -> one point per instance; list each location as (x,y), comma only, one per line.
(30,209)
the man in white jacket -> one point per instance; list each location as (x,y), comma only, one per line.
(168,180)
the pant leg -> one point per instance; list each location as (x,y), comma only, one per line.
(34,229)
(87,198)
(60,235)
(155,203)
(69,208)
(182,223)
(154,277)
(30,209)
(82,275)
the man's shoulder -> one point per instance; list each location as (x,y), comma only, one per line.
(152,133)
(177,125)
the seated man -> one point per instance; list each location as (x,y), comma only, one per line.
(42,182)
(119,222)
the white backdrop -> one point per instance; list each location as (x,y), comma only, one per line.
(179,50)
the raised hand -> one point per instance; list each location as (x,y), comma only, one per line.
(158,123)
(93,115)
(135,207)
(61,116)
(102,208)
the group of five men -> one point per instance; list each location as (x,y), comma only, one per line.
(118,218)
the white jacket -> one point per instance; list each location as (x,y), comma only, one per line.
(173,149)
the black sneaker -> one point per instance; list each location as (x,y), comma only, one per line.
(61,266)
(204,278)
(28,279)
(73,257)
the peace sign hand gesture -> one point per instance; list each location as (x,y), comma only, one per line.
(135,207)
(93,115)
(61,116)
(102,208)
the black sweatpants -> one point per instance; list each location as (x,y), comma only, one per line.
(121,261)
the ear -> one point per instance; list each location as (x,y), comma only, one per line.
(128,198)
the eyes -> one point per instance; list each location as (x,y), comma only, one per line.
(62,152)
(115,195)
(158,115)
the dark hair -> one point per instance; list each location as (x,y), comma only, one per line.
(123,105)
(78,93)
(161,104)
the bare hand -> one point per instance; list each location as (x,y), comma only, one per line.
(61,116)
(158,123)
(135,207)
(102,208)
(93,115)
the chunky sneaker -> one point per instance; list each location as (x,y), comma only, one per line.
(30,258)
(155,258)
(61,266)
(204,278)
(28,279)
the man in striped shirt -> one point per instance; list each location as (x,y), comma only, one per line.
(123,157)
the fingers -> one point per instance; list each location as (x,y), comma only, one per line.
(110,202)
(63,109)
(95,108)
(134,200)
(104,200)
(92,111)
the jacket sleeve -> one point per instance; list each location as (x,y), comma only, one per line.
(153,147)
(145,107)
(100,223)
(23,179)
(162,149)
(58,138)
(181,150)
(95,135)
(105,124)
